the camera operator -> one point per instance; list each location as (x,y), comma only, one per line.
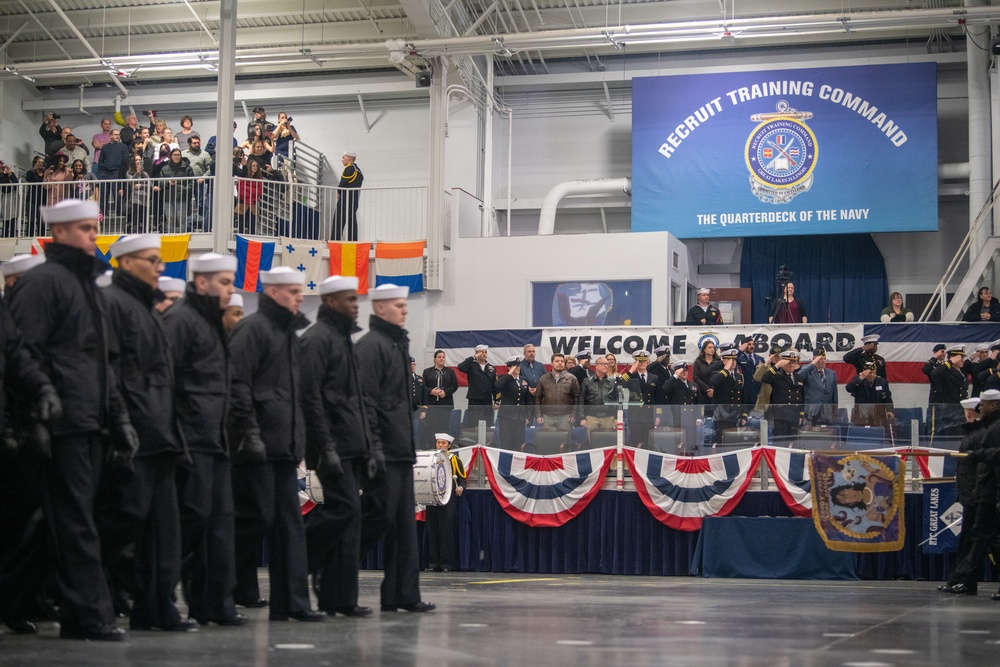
(260,119)
(284,134)
(788,310)
(51,133)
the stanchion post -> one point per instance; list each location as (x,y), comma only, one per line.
(619,451)
(481,432)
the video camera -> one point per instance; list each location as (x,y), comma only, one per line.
(784,275)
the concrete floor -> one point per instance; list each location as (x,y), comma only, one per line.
(582,620)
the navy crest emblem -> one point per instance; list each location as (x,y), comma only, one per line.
(781,154)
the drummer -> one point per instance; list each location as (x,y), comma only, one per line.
(441,518)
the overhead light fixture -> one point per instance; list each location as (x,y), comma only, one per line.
(14,72)
(308,54)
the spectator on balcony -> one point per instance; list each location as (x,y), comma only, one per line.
(156,128)
(176,191)
(201,164)
(239,163)
(249,190)
(52,134)
(259,147)
(34,196)
(54,179)
(8,200)
(84,187)
(187,131)
(986,308)
(284,134)
(210,147)
(346,224)
(74,150)
(163,157)
(135,194)
(896,311)
(111,165)
(100,140)
(260,125)
(168,139)
(143,146)
(130,128)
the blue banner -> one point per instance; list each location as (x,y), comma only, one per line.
(836,150)
(941,523)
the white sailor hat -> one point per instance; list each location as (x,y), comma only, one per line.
(956,350)
(212,262)
(20,264)
(168,284)
(730,353)
(350,154)
(680,364)
(70,210)
(126,245)
(513,361)
(444,436)
(983,347)
(388,291)
(338,284)
(583,354)
(971,403)
(792,354)
(235,301)
(990,395)
(995,345)
(704,290)
(663,349)
(482,348)
(282,275)
(871,338)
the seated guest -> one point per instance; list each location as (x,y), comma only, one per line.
(986,308)
(819,385)
(703,312)
(895,311)
(789,310)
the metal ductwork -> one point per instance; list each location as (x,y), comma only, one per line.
(599,186)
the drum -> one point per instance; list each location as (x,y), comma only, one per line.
(432,478)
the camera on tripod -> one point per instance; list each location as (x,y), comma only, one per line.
(784,275)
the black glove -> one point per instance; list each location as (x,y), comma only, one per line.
(48,407)
(38,440)
(329,468)
(124,440)
(974,456)
(7,440)
(376,464)
(252,448)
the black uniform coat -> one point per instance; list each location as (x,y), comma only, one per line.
(728,395)
(449,383)
(677,392)
(266,393)
(786,394)
(482,381)
(20,374)
(965,470)
(928,369)
(711,315)
(949,383)
(200,349)
(580,373)
(61,315)
(657,369)
(143,364)
(384,355)
(331,390)
(858,358)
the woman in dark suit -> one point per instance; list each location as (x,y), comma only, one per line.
(440,383)
(512,395)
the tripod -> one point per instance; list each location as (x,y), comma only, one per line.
(782,313)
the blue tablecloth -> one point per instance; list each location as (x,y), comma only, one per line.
(767,548)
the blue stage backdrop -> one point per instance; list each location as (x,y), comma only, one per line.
(833,150)
(593,303)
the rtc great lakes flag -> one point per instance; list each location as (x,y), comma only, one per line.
(545,491)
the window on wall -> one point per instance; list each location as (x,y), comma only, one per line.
(676,302)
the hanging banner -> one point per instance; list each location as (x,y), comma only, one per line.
(681,491)
(545,491)
(941,523)
(834,150)
(790,471)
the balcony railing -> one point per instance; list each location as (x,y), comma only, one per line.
(262,207)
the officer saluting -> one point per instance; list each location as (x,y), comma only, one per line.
(200,349)
(62,317)
(949,384)
(482,378)
(728,395)
(868,352)
(266,419)
(703,312)
(787,397)
(338,445)
(145,373)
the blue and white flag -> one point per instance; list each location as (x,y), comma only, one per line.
(545,491)
(941,523)
(680,491)
(790,471)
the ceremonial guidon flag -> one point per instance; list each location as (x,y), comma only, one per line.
(933,467)
(350,259)
(252,257)
(680,491)
(307,258)
(545,491)
(400,264)
(790,471)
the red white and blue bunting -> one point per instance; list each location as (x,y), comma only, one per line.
(680,491)
(545,491)
(790,470)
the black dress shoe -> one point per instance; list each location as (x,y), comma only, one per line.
(254,604)
(183,625)
(233,621)
(418,607)
(959,589)
(110,633)
(995,597)
(21,626)
(389,607)
(356,610)
(307,616)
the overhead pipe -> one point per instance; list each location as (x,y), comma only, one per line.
(598,186)
(79,36)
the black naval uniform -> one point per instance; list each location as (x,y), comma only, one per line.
(872,400)
(335,420)
(61,314)
(949,384)
(148,514)
(728,400)
(266,404)
(580,373)
(439,408)
(676,393)
(966,473)
(441,521)
(979,373)
(512,394)
(200,348)
(384,355)
(640,416)
(928,369)
(482,386)
(711,315)
(787,400)
(347,203)
(858,358)
(661,372)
